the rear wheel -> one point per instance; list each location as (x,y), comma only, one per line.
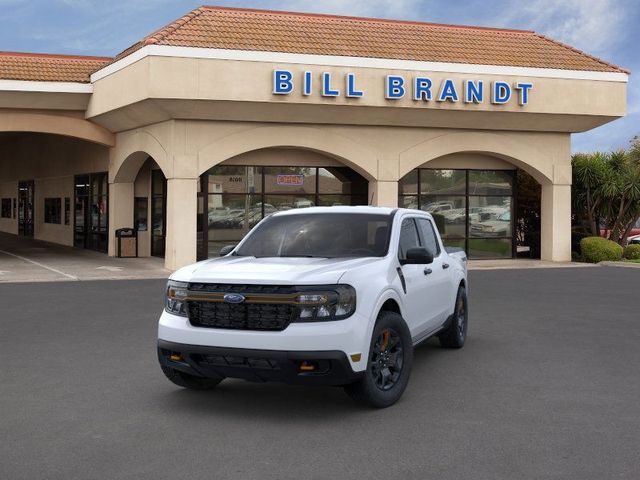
(189,381)
(389,363)
(456,333)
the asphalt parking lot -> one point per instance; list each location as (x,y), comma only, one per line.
(548,387)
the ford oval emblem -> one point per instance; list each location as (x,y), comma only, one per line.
(234,298)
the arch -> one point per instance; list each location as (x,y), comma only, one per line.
(57,125)
(323,141)
(522,155)
(131,152)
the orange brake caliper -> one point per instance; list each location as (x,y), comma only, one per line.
(385,340)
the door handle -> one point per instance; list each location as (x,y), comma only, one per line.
(445,266)
(427,271)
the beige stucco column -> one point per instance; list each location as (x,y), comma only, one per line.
(120,211)
(555,211)
(182,210)
(383,193)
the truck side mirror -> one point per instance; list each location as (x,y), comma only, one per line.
(226,250)
(417,256)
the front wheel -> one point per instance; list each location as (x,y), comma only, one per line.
(389,364)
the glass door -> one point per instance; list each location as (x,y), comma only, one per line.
(91,211)
(158,213)
(25,208)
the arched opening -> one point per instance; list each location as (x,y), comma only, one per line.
(139,200)
(480,202)
(236,194)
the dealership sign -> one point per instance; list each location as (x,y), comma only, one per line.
(419,88)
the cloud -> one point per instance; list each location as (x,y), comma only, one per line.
(591,25)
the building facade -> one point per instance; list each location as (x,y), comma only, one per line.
(201,129)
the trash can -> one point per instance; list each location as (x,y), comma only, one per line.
(127,243)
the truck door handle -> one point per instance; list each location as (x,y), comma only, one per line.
(427,271)
(445,266)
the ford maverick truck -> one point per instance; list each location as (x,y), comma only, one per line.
(319,296)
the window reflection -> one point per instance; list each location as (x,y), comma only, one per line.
(468,207)
(238,197)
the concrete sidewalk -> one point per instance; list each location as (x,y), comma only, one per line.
(28,260)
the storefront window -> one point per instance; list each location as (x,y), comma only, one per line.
(473,209)
(238,197)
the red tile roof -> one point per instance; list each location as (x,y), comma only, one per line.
(48,68)
(290,32)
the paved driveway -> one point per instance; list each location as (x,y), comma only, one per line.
(548,387)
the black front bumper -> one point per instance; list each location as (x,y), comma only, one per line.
(329,367)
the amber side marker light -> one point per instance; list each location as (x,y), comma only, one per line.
(307,367)
(355,357)
(176,357)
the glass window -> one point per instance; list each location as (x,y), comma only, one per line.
(273,203)
(449,213)
(408,237)
(429,239)
(336,200)
(141,214)
(6,208)
(443,182)
(490,248)
(409,183)
(52,210)
(490,217)
(230,217)
(67,210)
(327,236)
(490,182)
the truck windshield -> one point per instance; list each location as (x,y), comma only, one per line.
(326,235)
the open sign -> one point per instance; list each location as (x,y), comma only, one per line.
(290,180)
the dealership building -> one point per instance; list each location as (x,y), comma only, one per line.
(198,131)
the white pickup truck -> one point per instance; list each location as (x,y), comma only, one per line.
(321,295)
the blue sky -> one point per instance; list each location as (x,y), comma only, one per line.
(605,28)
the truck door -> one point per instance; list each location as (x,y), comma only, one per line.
(439,279)
(420,303)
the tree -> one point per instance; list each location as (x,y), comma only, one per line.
(607,188)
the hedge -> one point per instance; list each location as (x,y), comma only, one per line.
(632,252)
(598,249)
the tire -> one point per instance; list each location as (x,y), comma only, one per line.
(378,388)
(185,380)
(455,334)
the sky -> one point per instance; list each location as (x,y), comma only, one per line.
(604,28)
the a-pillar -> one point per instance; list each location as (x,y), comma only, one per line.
(555,212)
(182,211)
(383,193)
(120,211)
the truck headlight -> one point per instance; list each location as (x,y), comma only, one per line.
(335,303)
(175,302)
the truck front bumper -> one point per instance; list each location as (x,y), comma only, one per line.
(293,367)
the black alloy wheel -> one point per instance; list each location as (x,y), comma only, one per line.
(387,359)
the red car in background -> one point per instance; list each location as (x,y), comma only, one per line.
(635,231)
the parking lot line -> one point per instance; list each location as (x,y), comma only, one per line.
(59,272)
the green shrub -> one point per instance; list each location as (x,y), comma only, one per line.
(598,249)
(632,252)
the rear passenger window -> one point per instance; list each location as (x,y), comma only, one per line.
(408,237)
(429,237)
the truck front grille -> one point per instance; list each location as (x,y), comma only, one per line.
(267,307)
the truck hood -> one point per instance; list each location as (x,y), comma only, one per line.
(272,270)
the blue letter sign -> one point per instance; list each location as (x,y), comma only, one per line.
(395,87)
(282,82)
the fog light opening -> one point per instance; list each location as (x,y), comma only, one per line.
(308,366)
(176,357)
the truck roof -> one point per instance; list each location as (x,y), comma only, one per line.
(338,209)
